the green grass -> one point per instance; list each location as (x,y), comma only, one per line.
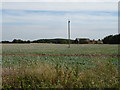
(61,48)
(60,71)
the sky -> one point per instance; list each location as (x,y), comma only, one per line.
(41,20)
(59,0)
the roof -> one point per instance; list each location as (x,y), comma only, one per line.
(82,38)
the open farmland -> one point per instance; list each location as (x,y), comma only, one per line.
(57,66)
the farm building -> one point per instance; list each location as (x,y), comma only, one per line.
(87,41)
(82,40)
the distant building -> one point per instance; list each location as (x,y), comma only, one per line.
(82,40)
(87,41)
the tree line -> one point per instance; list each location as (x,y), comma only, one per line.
(56,41)
(111,39)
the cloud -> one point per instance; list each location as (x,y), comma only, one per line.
(32,17)
(62,6)
(60,0)
(49,20)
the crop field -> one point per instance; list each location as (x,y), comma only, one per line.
(57,66)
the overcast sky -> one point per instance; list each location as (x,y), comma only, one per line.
(36,20)
(59,0)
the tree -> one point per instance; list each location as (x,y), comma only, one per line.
(112,39)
